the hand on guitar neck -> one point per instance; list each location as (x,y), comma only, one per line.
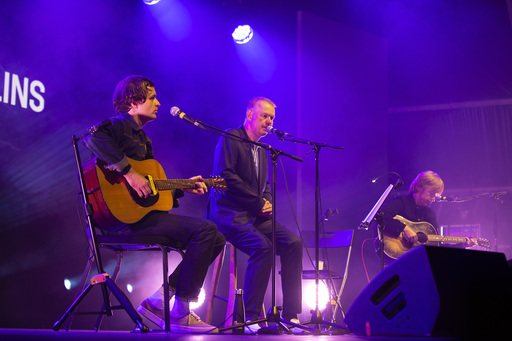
(470,242)
(200,186)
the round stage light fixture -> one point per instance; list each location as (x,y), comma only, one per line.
(151,2)
(242,34)
(67,284)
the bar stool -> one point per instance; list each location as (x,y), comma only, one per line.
(212,294)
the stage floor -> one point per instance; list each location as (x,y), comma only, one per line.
(41,334)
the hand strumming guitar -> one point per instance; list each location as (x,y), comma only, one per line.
(409,235)
(138,183)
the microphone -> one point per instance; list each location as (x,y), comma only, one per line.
(398,183)
(175,111)
(445,199)
(273,130)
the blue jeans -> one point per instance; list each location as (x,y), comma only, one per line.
(204,243)
(257,243)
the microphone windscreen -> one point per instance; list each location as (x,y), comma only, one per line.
(175,111)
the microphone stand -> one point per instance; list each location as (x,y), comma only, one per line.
(496,196)
(316,315)
(273,315)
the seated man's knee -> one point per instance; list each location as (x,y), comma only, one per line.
(296,244)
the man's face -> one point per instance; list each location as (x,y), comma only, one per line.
(425,195)
(149,108)
(260,117)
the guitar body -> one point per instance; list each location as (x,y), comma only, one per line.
(395,247)
(114,203)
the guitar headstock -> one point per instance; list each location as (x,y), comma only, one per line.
(218,183)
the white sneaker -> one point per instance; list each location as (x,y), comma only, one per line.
(191,323)
(252,329)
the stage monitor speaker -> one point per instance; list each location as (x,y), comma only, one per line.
(437,291)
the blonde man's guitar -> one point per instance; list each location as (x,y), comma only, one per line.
(427,235)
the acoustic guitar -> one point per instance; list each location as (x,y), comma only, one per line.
(115,203)
(427,235)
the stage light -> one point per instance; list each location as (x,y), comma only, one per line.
(309,295)
(129,288)
(242,34)
(194,305)
(67,284)
(151,2)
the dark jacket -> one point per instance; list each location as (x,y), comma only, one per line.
(237,207)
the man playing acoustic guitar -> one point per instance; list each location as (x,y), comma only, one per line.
(117,141)
(407,221)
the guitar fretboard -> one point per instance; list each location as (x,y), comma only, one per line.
(435,238)
(169,184)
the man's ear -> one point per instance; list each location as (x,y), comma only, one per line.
(248,114)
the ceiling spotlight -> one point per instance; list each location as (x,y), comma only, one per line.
(151,2)
(242,34)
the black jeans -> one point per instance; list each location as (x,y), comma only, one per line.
(257,243)
(204,243)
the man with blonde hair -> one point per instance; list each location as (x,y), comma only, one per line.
(424,189)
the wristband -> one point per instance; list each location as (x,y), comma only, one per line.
(125,170)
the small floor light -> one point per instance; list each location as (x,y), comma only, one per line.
(309,295)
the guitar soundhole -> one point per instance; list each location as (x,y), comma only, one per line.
(422,237)
(144,202)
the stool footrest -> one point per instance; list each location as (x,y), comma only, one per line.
(323,274)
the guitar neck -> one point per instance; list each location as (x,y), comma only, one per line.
(449,239)
(169,184)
